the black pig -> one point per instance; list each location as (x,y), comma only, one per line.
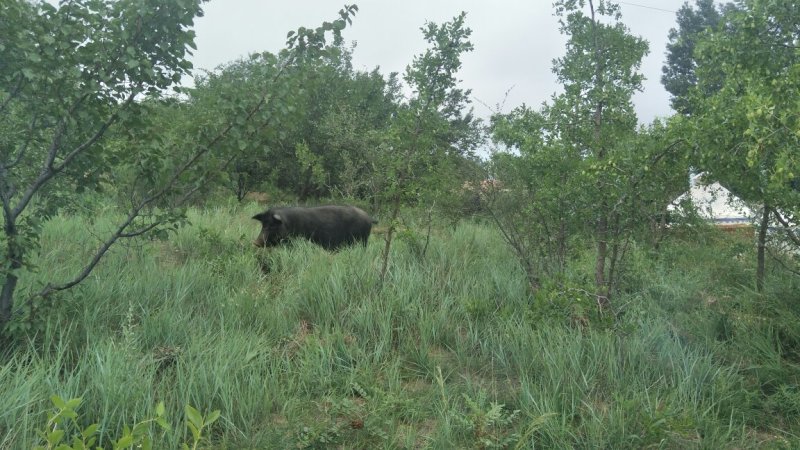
(331,227)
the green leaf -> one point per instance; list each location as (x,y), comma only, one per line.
(58,402)
(54,437)
(162,422)
(140,428)
(89,431)
(124,442)
(195,431)
(194,416)
(73,403)
(77,444)
(212,417)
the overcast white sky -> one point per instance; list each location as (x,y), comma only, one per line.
(515,40)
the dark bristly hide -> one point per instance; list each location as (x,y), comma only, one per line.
(331,227)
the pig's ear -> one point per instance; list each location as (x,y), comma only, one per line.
(260,217)
(277,217)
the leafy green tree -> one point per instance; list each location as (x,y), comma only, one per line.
(656,162)
(594,115)
(678,73)
(544,204)
(345,115)
(583,166)
(71,73)
(746,132)
(352,128)
(548,204)
(431,130)
(226,93)
(317,138)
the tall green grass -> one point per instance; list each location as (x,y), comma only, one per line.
(299,347)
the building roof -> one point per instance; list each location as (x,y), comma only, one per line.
(715,203)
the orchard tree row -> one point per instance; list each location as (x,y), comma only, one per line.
(92,108)
(583,168)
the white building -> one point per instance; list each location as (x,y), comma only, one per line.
(714,203)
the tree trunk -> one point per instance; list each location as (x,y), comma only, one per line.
(241,187)
(661,229)
(601,284)
(389,235)
(305,188)
(7,298)
(762,244)
(15,263)
(562,231)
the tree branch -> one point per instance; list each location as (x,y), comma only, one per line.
(13,94)
(789,232)
(99,134)
(50,288)
(5,194)
(24,146)
(48,171)
(52,153)
(120,231)
(142,230)
(635,180)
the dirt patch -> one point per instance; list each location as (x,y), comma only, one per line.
(262,198)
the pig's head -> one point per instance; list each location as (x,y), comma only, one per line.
(273,229)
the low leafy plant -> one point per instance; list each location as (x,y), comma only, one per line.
(196,422)
(492,426)
(361,420)
(63,431)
